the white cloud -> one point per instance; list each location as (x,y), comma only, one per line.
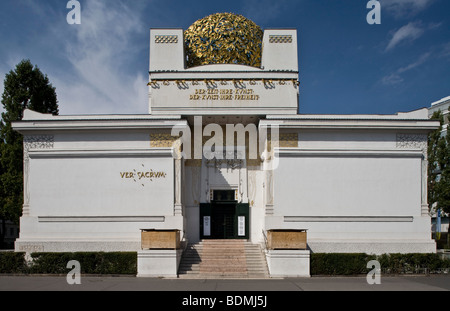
(395,78)
(407,33)
(405,8)
(392,79)
(417,63)
(100,53)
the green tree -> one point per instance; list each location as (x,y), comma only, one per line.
(443,199)
(24,87)
(439,166)
(434,144)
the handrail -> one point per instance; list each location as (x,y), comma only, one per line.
(265,239)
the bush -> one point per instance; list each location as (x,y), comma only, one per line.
(56,263)
(126,263)
(11,262)
(412,263)
(339,264)
(90,262)
(353,264)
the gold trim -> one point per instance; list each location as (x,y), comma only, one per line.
(166,39)
(280,39)
(235,82)
(161,140)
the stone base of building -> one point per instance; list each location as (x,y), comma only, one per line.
(76,246)
(288,263)
(158,263)
(375,247)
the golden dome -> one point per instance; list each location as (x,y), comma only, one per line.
(223,38)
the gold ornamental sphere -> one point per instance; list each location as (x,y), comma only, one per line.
(223,38)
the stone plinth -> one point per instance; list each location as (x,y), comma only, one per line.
(288,263)
(158,263)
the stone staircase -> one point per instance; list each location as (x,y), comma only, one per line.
(223,259)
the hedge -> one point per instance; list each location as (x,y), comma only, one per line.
(90,262)
(339,264)
(56,263)
(356,263)
(126,263)
(11,262)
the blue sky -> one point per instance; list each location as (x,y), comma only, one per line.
(346,65)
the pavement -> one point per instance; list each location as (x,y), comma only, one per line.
(107,292)
(316,283)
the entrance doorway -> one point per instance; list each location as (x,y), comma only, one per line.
(224,218)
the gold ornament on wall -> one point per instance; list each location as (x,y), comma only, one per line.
(223,38)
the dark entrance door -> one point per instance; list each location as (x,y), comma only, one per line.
(224,218)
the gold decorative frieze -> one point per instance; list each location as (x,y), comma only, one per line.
(193,162)
(166,39)
(213,84)
(289,140)
(162,140)
(280,39)
(285,140)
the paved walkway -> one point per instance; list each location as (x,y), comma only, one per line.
(89,283)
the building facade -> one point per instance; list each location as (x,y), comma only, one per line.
(224,154)
(443,105)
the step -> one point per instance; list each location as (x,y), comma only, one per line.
(223,259)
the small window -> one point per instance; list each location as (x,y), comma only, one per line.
(224,195)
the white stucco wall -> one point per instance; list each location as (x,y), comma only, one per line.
(348,186)
(100,186)
(354,191)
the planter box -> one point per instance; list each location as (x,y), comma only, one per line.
(286,239)
(160,239)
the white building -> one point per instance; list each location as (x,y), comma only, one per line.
(356,183)
(443,105)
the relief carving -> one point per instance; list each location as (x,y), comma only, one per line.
(413,141)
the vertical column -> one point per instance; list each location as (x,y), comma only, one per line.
(424,206)
(418,141)
(32,142)
(178,207)
(269,157)
(26,172)
(269,192)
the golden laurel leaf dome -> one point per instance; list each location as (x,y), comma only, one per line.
(223,38)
